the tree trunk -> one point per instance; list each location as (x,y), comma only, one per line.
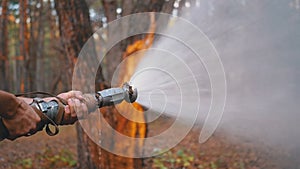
(16,62)
(72,14)
(33,11)
(40,48)
(3,46)
(75,29)
(113,58)
(24,46)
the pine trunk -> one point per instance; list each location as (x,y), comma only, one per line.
(75,29)
(3,46)
(24,46)
(72,14)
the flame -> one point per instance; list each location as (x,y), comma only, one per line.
(143,43)
(135,110)
(138,107)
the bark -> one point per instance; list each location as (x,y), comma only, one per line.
(51,20)
(16,63)
(33,14)
(56,50)
(24,46)
(75,29)
(3,46)
(72,14)
(114,57)
(40,48)
(127,7)
(168,7)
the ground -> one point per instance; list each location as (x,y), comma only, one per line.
(40,151)
(43,151)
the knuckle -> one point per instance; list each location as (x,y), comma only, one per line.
(18,133)
(63,95)
(38,119)
(67,109)
(33,127)
(85,109)
(70,102)
(73,115)
(77,92)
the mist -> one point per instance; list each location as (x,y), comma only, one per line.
(258,43)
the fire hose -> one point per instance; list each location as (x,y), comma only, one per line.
(52,112)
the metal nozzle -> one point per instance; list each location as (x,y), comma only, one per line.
(114,96)
(130,93)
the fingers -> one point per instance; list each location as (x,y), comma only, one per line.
(82,114)
(80,108)
(70,112)
(71,94)
(76,108)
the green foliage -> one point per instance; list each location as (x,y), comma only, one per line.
(25,163)
(213,165)
(63,158)
(170,159)
(48,159)
(240,164)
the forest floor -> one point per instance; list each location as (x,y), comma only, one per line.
(42,151)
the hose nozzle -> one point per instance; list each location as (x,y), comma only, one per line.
(130,93)
(114,96)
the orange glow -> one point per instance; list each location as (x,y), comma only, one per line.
(138,107)
(17,58)
(22,86)
(11,18)
(135,111)
(143,43)
(139,45)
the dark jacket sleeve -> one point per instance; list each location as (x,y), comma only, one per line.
(8,104)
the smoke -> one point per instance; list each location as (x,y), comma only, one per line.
(258,42)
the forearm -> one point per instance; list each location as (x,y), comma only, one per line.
(8,104)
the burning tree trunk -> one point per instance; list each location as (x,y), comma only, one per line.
(3,46)
(113,58)
(75,29)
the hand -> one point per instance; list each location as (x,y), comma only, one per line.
(75,108)
(23,122)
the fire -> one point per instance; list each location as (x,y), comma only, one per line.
(136,126)
(143,43)
(139,45)
(138,107)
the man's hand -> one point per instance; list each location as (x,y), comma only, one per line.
(75,108)
(23,122)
